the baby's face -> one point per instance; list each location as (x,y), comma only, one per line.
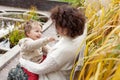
(35,33)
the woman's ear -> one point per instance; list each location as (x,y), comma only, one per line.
(65,31)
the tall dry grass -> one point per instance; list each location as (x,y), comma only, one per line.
(102,52)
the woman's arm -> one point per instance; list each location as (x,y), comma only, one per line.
(48,65)
(55,60)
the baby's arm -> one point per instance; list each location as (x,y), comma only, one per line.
(35,44)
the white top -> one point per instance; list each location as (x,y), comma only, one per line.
(59,61)
(32,49)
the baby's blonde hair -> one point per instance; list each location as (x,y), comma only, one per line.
(29,24)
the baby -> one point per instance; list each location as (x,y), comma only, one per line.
(33,46)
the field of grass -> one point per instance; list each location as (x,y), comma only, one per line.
(102,52)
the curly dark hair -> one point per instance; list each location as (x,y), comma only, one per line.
(70,18)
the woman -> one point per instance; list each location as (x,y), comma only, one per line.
(70,25)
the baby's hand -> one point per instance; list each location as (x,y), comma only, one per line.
(50,39)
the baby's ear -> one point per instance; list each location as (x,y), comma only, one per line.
(27,34)
(40,24)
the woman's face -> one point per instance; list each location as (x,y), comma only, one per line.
(61,31)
